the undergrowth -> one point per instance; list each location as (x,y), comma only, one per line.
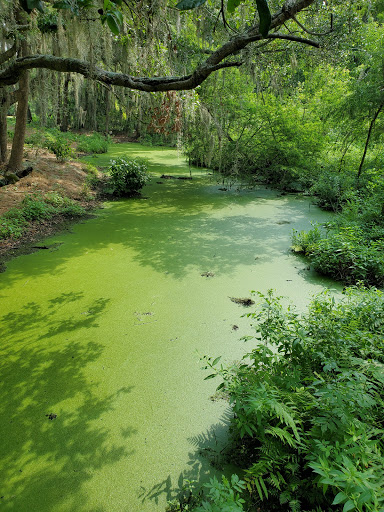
(352,247)
(308,405)
(37,207)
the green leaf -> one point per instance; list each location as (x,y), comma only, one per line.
(216,360)
(112,24)
(220,386)
(339,498)
(210,376)
(265,16)
(232,5)
(185,5)
(29,5)
(349,505)
(263,486)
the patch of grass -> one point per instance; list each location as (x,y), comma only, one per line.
(37,208)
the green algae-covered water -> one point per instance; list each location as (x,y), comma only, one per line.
(103,403)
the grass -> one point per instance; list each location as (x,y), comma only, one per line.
(37,207)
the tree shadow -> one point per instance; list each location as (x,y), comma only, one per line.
(205,461)
(183,224)
(53,437)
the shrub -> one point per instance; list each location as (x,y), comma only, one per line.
(95,143)
(332,190)
(127,177)
(60,147)
(308,404)
(305,241)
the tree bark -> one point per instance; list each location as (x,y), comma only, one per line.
(64,125)
(17,152)
(4,106)
(16,158)
(371,124)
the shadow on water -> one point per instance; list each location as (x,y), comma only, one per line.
(184,224)
(49,411)
(206,459)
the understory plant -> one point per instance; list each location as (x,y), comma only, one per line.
(37,207)
(352,248)
(308,404)
(127,177)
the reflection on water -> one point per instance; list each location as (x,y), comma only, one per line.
(104,406)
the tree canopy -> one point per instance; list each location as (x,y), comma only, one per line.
(220,56)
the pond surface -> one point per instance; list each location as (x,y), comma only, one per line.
(103,403)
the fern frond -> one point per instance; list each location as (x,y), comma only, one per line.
(283,435)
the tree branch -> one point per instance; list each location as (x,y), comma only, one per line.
(310,31)
(215,61)
(8,54)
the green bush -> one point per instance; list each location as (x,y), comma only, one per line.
(95,143)
(60,147)
(348,256)
(308,404)
(127,177)
(332,190)
(223,496)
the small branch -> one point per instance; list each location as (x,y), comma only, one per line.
(371,124)
(8,54)
(294,38)
(310,31)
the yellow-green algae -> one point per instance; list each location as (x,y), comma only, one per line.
(104,332)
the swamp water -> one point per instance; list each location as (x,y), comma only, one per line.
(103,403)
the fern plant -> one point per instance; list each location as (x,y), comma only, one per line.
(308,404)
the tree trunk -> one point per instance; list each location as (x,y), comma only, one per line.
(65,109)
(107,108)
(368,138)
(4,106)
(17,152)
(16,158)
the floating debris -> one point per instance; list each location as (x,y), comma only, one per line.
(207,274)
(51,416)
(244,302)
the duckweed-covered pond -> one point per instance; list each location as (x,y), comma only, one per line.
(104,407)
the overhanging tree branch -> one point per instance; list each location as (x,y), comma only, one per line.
(8,54)
(215,61)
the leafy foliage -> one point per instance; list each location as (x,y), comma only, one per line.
(127,177)
(308,404)
(36,208)
(352,248)
(61,148)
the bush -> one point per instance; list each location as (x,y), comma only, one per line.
(127,177)
(308,404)
(60,147)
(95,143)
(333,190)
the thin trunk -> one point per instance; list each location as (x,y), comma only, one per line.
(107,108)
(368,138)
(65,109)
(4,105)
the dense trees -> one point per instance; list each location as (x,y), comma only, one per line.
(67,37)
